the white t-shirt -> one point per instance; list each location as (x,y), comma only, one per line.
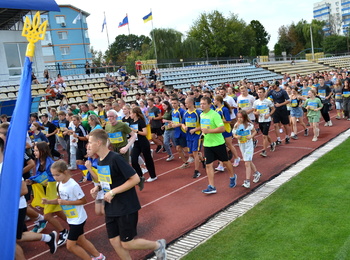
(71,126)
(263,106)
(22,199)
(232,103)
(246,103)
(71,191)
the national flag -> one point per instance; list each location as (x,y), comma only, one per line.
(103,24)
(124,22)
(147,18)
(12,168)
(77,18)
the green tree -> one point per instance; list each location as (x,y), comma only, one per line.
(253,52)
(261,36)
(264,50)
(335,44)
(168,43)
(277,49)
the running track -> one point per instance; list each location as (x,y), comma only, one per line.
(174,204)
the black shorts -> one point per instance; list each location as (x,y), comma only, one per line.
(157,131)
(281,116)
(80,155)
(75,231)
(264,127)
(124,226)
(215,153)
(21,226)
(181,141)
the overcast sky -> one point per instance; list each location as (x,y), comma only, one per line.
(181,14)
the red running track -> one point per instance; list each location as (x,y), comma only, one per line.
(174,204)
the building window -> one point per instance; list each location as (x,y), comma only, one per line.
(47,51)
(86,34)
(15,54)
(60,19)
(64,50)
(62,35)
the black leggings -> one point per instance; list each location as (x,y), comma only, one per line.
(145,149)
(54,152)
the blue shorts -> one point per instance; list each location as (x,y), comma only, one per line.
(181,141)
(194,145)
(296,112)
(227,134)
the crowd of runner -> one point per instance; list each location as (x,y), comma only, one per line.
(110,143)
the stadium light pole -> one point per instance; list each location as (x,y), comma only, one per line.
(312,44)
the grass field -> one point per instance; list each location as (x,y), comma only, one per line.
(306,218)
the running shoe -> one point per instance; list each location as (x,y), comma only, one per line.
(287,140)
(209,190)
(196,174)
(42,225)
(330,123)
(35,228)
(144,170)
(159,147)
(306,132)
(170,158)
(246,184)
(257,176)
(150,179)
(255,143)
(272,146)
(100,257)
(281,130)
(185,165)
(263,154)
(62,239)
(326,124)
(278,142)
(161,251)
(233,181)
(220,168)
(314,139)
(295,137)
(190,160)
(53,242)
(236,162)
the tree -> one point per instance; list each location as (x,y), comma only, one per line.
(261,36)
(277,49)
(253,52)
(168,43)
(335,44)
(264,50)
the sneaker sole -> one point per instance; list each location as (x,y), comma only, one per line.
(209,192)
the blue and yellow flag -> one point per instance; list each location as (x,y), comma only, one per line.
(147,17)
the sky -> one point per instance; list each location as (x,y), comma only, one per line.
(181,15)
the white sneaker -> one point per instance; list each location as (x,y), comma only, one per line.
(220,168)
(151,179)
(314,139)
(281,130)
(236,162)
(326,124)
(152,153)
(190,159)
(246,184)
(144,170)
(170,158)
(330,123)
(257,176)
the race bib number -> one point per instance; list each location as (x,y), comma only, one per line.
(243,103)
(338,96)
(313,105)
(104,174)
(116,138)
(119,118)
(197,104)
(151,115)
(190,122)
(70,211)
(62,126)
(322,93)
(205,123)
(294,103)
(45,131)
(176,120)
(262,109)
(243,135)
(105,187)
(84,117)
(346,93)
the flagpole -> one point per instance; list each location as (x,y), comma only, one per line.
(82,33)
(106,28)
(154,42)
(128,24)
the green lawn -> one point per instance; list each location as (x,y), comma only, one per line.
(306,218)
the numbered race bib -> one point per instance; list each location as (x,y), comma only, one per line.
(37,140)
(62,126)
(294,103)
(322,93)
(243,135)
(262,109)
(151,114)
(190,122)
(338,96)
(119,119)
(70,211)
(313,105)
(104,174)
(84,117)
(305,93)
(197,104)
(205,123)
(116,138)
(176,120)
(42,179)
(346,93)
(45,131)
(243,103)
(105,187)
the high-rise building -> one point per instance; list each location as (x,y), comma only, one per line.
(335,14)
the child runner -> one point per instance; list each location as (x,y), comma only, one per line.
(296,113)
(313,105)
(244,131)
(72,198)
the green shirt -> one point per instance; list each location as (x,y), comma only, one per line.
(314,103)
(118,134)
(85,117)
(212,120)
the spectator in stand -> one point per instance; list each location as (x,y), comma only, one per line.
(60,81)
(46,75)
(152,74)
(138,66)
(34,79)
(87,68)
(50,92)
